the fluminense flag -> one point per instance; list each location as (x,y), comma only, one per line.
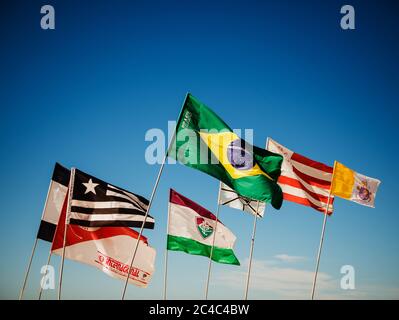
(228,197)
(96,203)
(213,148)
(106,248)
(55,199)
(354,186)
(191,229)
(303,181)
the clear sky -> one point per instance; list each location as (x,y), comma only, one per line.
(86,93)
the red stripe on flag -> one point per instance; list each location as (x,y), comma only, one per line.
(76,234)
(311,163)
(178,199)
(297,184)
(312,180)
(305,202)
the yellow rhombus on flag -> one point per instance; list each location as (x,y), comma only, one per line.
(353,186)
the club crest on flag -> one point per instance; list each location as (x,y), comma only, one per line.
(204,227)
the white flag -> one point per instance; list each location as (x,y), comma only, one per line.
(228,197)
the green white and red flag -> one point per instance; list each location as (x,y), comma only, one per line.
(192,228)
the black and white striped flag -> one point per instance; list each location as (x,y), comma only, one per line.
(96,203)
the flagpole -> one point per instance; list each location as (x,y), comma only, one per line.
(151,199)
(323,229)
(251,251)
(33,250)
(213,244)
(70,194)
(166,254)
(48,262)
(28,270)
(320,247)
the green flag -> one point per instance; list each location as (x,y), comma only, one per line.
(205,142)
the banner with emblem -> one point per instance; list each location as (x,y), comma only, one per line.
(106,248)
(354,186)
(206,143)
(191,229)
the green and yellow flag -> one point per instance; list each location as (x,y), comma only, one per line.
(205,142)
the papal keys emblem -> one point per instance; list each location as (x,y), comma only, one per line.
(363,192)
(204,228)
(238,156)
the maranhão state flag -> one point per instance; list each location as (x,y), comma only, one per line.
(214,148)
(191,229)
(106,248)
(303,181)
(55,199)
(354,186)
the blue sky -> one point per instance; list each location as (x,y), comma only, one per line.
(86,93)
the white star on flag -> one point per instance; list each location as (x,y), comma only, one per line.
(90,186)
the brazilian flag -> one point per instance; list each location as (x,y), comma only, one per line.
(205,142)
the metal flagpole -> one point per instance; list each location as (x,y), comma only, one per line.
(33,250)
(320,246)
(151,200)
(166,254)
(70,194)
(213,244)
(321,240)
(28,269)
(48,262)
(251,251)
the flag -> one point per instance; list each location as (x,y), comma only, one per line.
(191,229)
(96,203)
(354,186)
(228,197)
(213,148)
(52,208)
(106,248)
(303,181)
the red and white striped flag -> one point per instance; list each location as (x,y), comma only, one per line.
(303,180)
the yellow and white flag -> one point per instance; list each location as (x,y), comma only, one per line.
(353,186)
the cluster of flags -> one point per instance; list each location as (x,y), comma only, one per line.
(91,224)
(91,221)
